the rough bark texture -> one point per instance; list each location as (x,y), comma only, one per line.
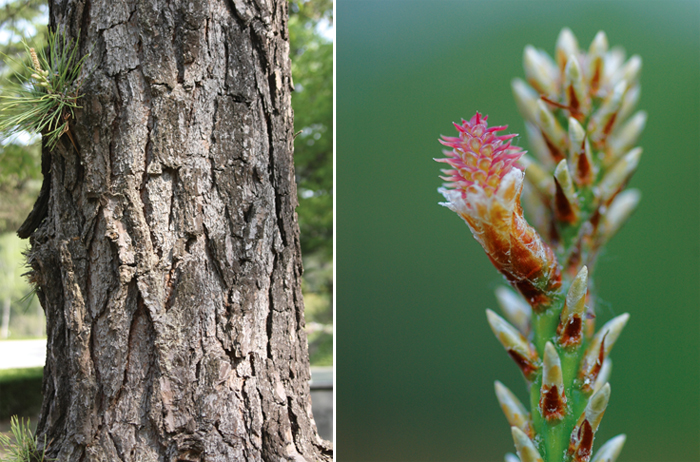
(168,264)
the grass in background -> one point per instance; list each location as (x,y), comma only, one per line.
(20,391)
(26,318)
(20,394)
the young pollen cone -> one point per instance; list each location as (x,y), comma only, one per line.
(483,187)
(35,60)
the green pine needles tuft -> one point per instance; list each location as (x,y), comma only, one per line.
(42,94)
(22,447)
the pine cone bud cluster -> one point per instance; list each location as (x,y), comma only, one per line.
(582,129)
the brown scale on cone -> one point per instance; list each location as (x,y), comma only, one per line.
(562,207)
(596,53)
(580,156)
(574,260)
(572,108)
(592,237)
(595,80)
(552,405)
(595,219)
(536,276)
(584,170)
(554,235)
(516,345)
(589,327)
(556,153)
(589,372)
(608,128)
(534,296)
(571,334)
(552,397)
(574,105)
(573,101)
(582,444)
(526,365)
(571,318)
(532,293)
(554,103)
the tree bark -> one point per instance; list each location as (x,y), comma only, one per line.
(168,263)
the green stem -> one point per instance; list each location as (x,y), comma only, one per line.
(555,435)
(545,323)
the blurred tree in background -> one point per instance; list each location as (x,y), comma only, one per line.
(312,69)
(20,178)
(20,166)
(312,73)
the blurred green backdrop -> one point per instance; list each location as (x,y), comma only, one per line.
(415,358)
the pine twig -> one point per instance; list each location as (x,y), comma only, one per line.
(577,108)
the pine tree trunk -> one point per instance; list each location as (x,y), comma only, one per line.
(168,264)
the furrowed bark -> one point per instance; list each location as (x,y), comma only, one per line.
(168,264)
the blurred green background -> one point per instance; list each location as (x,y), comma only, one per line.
(416,360)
